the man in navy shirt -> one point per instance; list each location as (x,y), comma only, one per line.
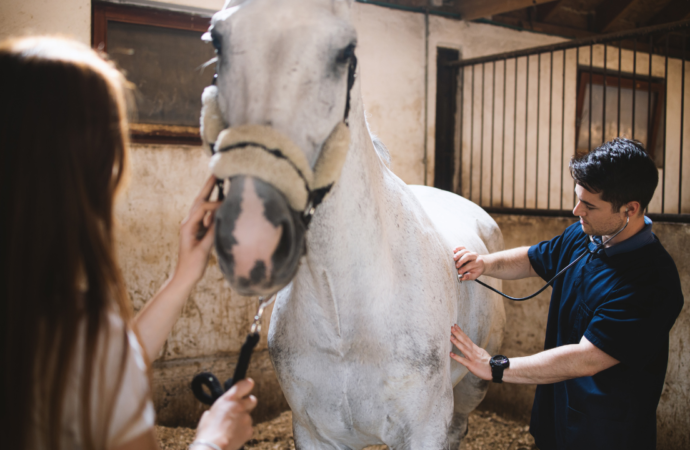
(602,370)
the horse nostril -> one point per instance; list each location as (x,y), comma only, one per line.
(259,238)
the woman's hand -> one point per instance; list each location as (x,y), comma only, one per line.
(228,423)
(196,237)
(476,359)
(159,315)
(470,265)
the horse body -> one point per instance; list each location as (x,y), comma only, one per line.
(360,337)
(360,340)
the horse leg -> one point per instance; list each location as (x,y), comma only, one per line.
(428,431)
(467,395)
(307,438)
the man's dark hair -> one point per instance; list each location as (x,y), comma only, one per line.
(621,170)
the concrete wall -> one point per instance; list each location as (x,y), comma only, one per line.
(165,179)
(393,51)
(526,327)
(69,18)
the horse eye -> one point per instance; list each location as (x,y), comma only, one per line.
(346,54)
(217,42)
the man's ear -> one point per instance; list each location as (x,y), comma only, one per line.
(633,208)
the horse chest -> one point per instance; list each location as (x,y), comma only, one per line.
(349,370)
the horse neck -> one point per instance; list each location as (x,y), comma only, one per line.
(352,224)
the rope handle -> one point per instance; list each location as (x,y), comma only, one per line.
(211,382)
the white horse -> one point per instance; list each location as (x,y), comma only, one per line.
(360,337)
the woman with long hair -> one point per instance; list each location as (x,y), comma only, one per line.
(74,374)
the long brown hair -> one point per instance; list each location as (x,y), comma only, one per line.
(63,153)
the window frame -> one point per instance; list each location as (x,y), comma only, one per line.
(626,82)
(102,13)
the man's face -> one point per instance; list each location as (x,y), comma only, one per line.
(597,217)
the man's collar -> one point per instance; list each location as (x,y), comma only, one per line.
(642,238)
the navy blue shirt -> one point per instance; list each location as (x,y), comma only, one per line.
(624,300)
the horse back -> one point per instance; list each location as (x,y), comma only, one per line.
(459,221)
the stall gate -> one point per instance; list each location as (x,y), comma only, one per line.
(520,117)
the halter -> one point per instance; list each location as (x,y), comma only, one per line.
(263,152)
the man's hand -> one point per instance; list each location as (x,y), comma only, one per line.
(476,359)
(550,366)
(470,265)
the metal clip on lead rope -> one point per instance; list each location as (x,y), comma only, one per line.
(211,381)
(585,253)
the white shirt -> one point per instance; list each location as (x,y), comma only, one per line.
(132,410)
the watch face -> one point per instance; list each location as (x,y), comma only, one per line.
(499,361)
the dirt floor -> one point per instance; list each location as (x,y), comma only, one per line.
(487,431)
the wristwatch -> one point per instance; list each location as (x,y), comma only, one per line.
(498,364)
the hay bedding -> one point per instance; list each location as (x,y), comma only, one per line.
(487,431)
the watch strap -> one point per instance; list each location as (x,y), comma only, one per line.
(498,364)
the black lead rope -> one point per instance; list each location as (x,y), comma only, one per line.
(211,381)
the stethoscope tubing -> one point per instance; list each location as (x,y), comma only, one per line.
(585,253)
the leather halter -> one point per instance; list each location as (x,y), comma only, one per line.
(315,195)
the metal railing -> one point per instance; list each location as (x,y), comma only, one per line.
(522,115)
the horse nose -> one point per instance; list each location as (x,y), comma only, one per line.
(259,238)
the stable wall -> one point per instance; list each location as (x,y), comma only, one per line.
(68,18)
(393,52)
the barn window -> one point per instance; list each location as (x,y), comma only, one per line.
(635,113)
(162,54)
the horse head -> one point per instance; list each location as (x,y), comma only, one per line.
(276,122)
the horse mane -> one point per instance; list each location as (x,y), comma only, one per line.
(379,146)
(381,150)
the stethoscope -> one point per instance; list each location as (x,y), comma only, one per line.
(585,253)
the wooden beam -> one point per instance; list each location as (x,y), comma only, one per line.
(607,13)
(672,12)
(546,11)
(477,9)
(566,32)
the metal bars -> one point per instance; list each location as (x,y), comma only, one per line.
(589,116)
(682,126)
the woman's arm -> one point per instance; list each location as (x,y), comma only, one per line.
(155,321)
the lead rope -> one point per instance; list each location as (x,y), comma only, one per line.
(211,381)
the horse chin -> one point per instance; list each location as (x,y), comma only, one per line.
(259,238)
